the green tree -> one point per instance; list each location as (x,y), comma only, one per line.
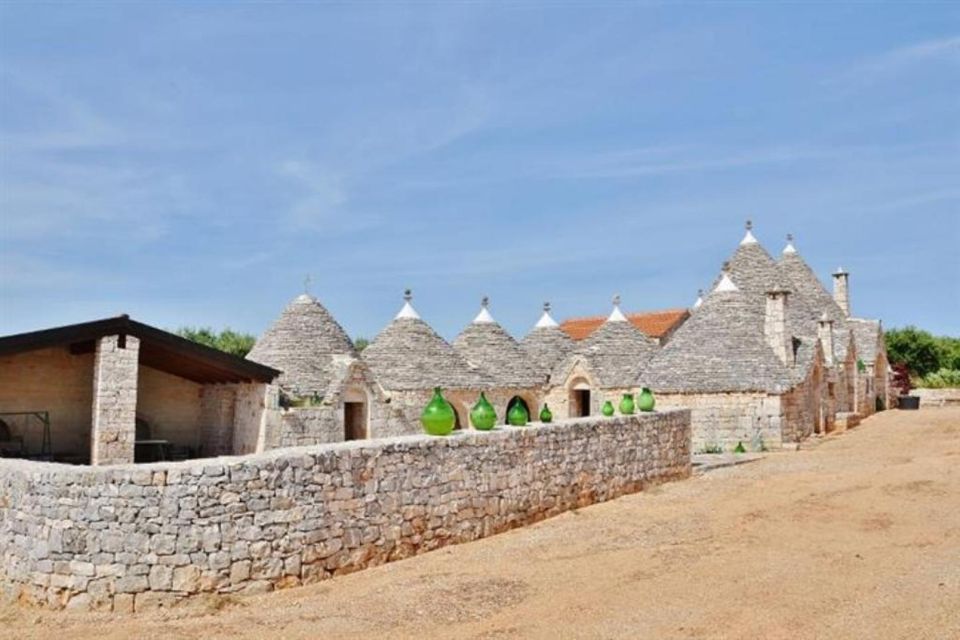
(233,342)
(918,349)
(361,343)
(949,353)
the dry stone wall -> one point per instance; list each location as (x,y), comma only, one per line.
(134,537)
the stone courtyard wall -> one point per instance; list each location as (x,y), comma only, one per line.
(134,537)
(724,419)
(937,397)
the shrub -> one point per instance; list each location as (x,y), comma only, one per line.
(942,379)
(901,378)
(921,351)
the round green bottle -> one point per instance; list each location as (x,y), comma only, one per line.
(626,404)
(607,409)
(483,416)
(438,418)
(646,401)
(545,414)
(517,415)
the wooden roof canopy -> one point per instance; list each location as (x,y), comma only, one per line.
(159,350)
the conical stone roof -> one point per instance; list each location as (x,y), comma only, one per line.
(752,269)
(617,352)
(810,301)
(547,344)
(488,347)
(302,343)
(868,336)
(409,355)
(721,348)
(755,272)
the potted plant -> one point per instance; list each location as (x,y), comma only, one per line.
(902,383)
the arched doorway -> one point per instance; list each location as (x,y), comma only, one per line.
(517,400)
(356,416)
(579,399)
(458,424)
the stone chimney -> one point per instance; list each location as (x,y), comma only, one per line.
(775,324)
(841,290)
(825,333)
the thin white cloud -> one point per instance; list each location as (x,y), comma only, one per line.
(895,62)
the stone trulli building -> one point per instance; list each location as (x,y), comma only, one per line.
(602,367)
(511,374)
(736,366)
(325,382)
(719,362)
(409,359)
(766,358)
(547,344)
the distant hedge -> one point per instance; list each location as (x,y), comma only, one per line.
(238,344)
(921,351)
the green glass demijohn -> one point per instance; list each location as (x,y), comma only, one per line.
(483,415)
(646,401)
(607,409)
(517,415)
(438,418)
(545,414)
(626,404)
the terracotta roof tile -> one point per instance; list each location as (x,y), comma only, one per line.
(655,324)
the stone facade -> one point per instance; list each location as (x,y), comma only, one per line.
(115,368)
(128,537)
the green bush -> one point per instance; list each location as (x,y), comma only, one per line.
(915,348)
(942,379)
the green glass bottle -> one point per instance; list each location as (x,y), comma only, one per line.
(483,415)
(545,414)
(517,415)
(626,404)
(607,409)
(646,400)
(438,417)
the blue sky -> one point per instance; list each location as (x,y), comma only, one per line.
(191,163)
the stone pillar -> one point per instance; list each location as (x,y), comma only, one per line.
(825,333)
(775,325)
(114,417)
(841,290)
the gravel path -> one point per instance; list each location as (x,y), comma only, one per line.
(854,536)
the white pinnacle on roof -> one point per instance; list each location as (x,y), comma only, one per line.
(616,315)
(484,315)
(699,300)
(546,320)
(725,284)
(789,248)
(408,311)
(748,237)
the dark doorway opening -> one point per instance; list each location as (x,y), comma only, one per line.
(581,403)
(457,425)
(354,421)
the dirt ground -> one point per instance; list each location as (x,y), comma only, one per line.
(854,536)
